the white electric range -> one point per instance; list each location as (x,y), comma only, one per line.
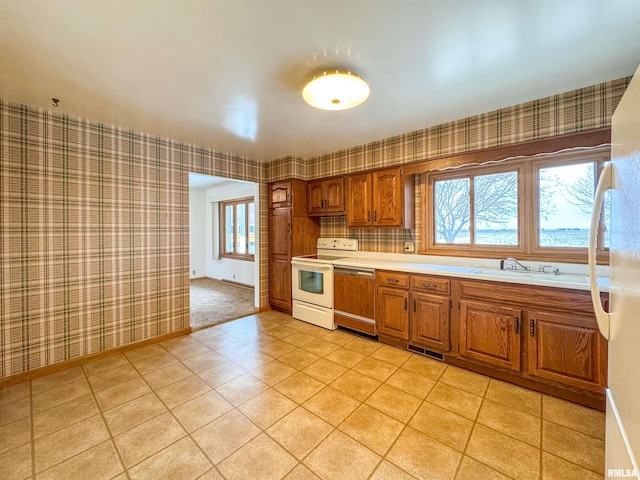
(312,280)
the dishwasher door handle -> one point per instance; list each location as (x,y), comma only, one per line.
(353,272)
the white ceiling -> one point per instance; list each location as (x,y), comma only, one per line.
(227,74)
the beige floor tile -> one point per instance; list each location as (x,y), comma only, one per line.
(221,373)
(225,435)
(201,410)
(241,389)
(55,380)
(388,471)
(212,474)
(102,461)
(122,393)
(148,438)
(273,372)
(355,384)
(15,434)
(187,352)
(301,473)
(133,413)
(266,408)
(427,367)
(339,337)
(376,369)
(181,461)
(113,377)
(443,425)
(514,396)
(299,387)
(554,468)
(471,469)
(204,361)
(104,364)
(14,392)
(396,403)
(345,357)
(278,348)
(577,417)
(167,375)
(280,331)
(363,345)
(320,347)
(155,362)
(299,432)
(339,457)
(455,400)
(15,410)
(16,464)
(54,419)
(373,429)
(574,446)
(182,391)
(465,380)
(314,331)
(67,442)
(331,405)
(177,343)
(392,355)
(299,358)
(141,353)
(59,395)
(411,382)
(500,452)
(423,457)
(514,423)
(249,358)
(299,339)
(325,370)
(260,459)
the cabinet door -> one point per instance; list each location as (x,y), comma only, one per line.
(392,315)
(280,232)
(490,333)
(567,348)
(359,200)
(280,195)
(429,321)
(280,282)
(315,196)
(334,195)
(388,196)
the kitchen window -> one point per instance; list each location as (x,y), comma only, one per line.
(238,229)
(534,208)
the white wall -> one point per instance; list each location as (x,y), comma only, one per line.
(197,234)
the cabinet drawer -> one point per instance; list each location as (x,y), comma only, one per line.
(430,284)
(393,279)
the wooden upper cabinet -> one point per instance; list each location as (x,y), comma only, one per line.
(490,333)
(567,347)
(326,197)
(380,199)
(280,232)
(280,194)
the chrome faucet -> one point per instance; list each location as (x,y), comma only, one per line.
(513,263)
(543,269)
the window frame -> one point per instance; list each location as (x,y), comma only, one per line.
(528,208)
(223,228)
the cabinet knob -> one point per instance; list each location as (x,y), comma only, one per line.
(516,325)
(415,305)
(368,215)
(375,215)
(532,328)
(429,285)
(405,304)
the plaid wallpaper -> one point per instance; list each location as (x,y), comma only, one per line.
(94,235)
(579,110)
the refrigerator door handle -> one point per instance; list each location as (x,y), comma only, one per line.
(604,184)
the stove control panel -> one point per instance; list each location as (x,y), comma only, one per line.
(344,244)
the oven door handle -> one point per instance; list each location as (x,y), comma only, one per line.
(311,266)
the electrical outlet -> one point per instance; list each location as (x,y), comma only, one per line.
(234,276)
(194,272)
(408,247)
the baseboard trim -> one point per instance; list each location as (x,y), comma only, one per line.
(238,284)
(56,367)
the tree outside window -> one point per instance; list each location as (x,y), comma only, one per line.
(238,228)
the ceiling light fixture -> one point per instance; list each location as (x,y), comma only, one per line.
(336,90)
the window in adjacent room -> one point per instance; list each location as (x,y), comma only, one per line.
(238,228)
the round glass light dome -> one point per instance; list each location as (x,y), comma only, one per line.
(336,90)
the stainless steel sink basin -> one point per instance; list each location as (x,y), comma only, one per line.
(538,276)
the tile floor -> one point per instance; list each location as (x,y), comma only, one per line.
(269,397)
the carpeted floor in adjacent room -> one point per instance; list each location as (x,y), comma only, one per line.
(215,301)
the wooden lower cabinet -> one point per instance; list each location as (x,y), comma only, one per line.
(392,312)
(429,321)
(280,290)
(567,348)
(490,333)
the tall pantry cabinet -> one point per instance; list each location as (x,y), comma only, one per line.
(291,233)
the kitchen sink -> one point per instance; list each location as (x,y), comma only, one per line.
(531,275)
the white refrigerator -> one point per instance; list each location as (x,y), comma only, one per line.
(622,324)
